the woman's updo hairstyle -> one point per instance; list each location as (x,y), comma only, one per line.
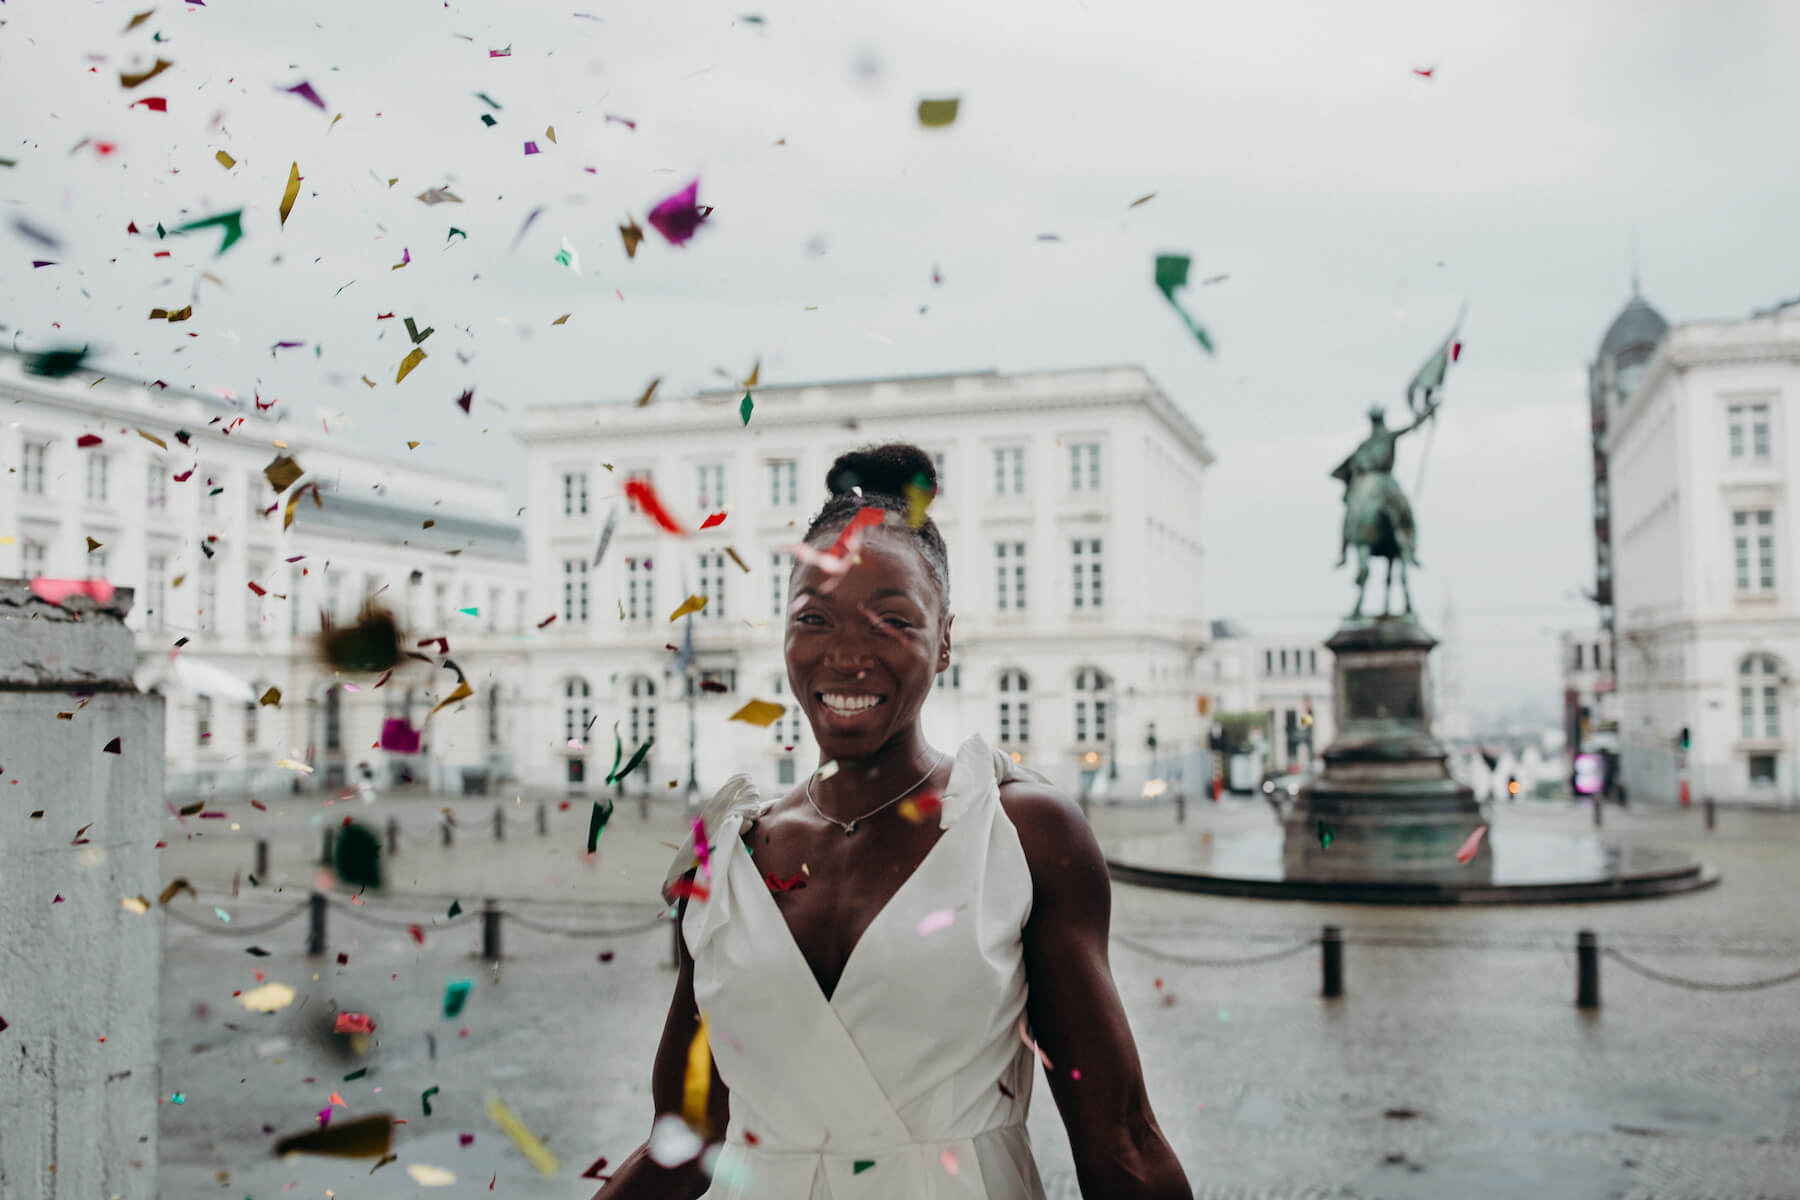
(883,473)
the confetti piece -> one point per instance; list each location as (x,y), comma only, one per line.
(636,758)
(531,148)
(175,888)
(777,884)
(640,493)
(1325,835)
(546,620)
(412,360)
(698,1081)
(426,1176)
(1466,851)
(612,119)
(678,216)
(692,604)
(713,521)
(398,736)
(918,499)
(226,161)
(948,1158)
(364,1137)
(597,822)
(1424,73)
(865,517)
(306,93)
(282,473)
(441,195)
(405,259)
(456,994)
(232,223)
(860,1165)
(702,851)
(217,911)
(592,1172)
(631,234)
(933,921)
(759,712)
(606,534)
(353,1022)
(135,904)
(562,320)
(644,400)
(291,194)
(534,1150)
(742,565)
(463,692)
(938,114)
(1172,273)
(270,997)
(56,591)
(179,314)
(568,256)
(746,407)
(506,53)
(135,21)
(153,103)
(689,888)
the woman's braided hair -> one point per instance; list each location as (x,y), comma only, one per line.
(884,473)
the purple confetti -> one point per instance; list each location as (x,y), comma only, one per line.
(42,262)
(678,217)
(531,148)
(306,93)
(465,1139)
(529,219)
(325,1116)
(287,345)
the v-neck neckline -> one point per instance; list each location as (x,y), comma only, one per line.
(787,930)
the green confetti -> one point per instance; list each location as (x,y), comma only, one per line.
(597,822)
(356,1074)
(455,909)
(469,612)
(635,760)
(412,331)
(565,258)
(178,1098)
(456,233)
(456,994)
(1172,273)
(861,1165)
(618,754)
(425,1098)
(745,407)
(232,223)
(1325,836)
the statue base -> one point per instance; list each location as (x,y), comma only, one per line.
(1385,807)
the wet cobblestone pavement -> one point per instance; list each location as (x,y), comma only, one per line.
(1455,1065)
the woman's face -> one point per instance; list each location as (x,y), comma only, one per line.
(880,635)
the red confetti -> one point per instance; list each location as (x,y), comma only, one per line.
(467,398)
(353,1022)
(418,933)
(784,885)
(186,475)
(88,439)
(1466,851)
(1455,351)
(258,590)
(592,1172)
(862,520)
(443,644)
(717,518)
(258,805)
(153,103)
(640,493)
(1425,73)
(131,227)
(625,121)
(546,620)
(688,887)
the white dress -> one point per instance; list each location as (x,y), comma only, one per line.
(911,1082)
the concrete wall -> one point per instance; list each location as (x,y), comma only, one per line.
(80,980)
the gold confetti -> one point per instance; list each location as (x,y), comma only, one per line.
(151,437)
(759,712)
(463,692)
(936,114)
(291,194)
(271,698)
(288,764)
(409,362)
(135,904)
(282,473)
(414,445)
(426,1176)
(176,886)
(177,581)
(368,381)
(562,320)
(550,132)
(1142,200)
(631,233)
(745,567)
(139,19)
(755,374)
(225,160)
(698,1082)
(650,391)
(534,1150)
(692,604)
(93,545)
(131,81)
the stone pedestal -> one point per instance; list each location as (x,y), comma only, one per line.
(1386,798)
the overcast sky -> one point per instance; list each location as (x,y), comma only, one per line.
(1353,204)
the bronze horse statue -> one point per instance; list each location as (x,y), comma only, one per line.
(1378,521)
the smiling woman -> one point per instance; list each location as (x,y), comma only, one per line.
(859,1006)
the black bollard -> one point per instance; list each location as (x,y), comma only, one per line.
(1331,958)
(262,859)
(1597,807)
(393,842)
(490,930)
(315,937)
(499,824)
(1710,815)
(445,826)
(1180,808)
(1587,969)
(543,819)
(325,848)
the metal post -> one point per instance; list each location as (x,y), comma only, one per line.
(1331,958)
(1710,815)
(444,825)
(315,937)
(1597,807)
(543,819)
(262,859)
(325,848)
(490,930)
(499,824)
(393,838)
(1180,807)
(1587,969)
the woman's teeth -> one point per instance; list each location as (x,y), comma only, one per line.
(849,706)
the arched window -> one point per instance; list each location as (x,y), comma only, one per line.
(1759,696)
(1015,708)
(643,709)
(577,710)
(334,719)
(1093,698)
(203,721)
(493,715)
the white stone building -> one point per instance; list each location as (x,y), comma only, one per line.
(1706,562)
(192,546)
(1285,678)
(1587,680)
(1072,504)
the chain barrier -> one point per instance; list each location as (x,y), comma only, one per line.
(661,920)
(220,929)
(358,913)
(1695,984)
(1189,961)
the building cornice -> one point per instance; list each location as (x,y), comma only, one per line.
(1676,355)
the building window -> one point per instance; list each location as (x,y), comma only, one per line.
(1085,555)
(640,590)
(1084,467)
(781,570)
(1578,656)
(938,461)
(575,590)
(293,600)
(1009,560)
(1749,430)
(1283,659)
(578,711)
(1312,662)
(787,725)
(1092,693)
(493,610)
(1268,662)
(712,584)
(208,601)
(440,603)
(334,720)
(1009,470)
(97,469)
(1762,770)
(520,600)
(253,610)
(493,715)
(712,487)
(950,677)
(1753,543)
(202,721)
(96,564)
(783,483)
(574,493)
(31,558)
(31,471)
(643,709)
(1599,659)
(156,591)
(251,708)
(209,495)
(1015,708)
(1759,696)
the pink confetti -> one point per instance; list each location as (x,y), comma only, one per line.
(306,93)
(625,121)
(702,851)
(948,1158)
(398,735)
(933,921)
(1026,1038)
(677,217)
(55,591)
(1466,851)
(506,53)
(325,1116)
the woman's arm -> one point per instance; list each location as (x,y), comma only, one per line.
(1076,1016)
(639,1177)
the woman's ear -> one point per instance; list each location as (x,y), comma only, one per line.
(944,644)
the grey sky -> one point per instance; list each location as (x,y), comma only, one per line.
(1353,204)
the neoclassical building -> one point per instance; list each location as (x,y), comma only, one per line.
(173,502)
(1072,503)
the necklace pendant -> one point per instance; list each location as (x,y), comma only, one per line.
(850,828)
